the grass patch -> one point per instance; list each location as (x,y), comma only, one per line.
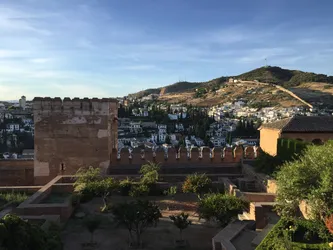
(15,198)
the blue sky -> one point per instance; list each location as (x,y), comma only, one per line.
(108,48)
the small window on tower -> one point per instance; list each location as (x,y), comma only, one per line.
(62,166)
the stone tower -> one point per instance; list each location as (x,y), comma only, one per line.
(70,134)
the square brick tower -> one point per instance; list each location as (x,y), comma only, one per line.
(70,134)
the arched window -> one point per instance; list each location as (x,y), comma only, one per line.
(317,142)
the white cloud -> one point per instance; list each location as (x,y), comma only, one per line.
(40,60)
(13,20)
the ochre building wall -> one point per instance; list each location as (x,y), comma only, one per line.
(268,140)
(70,134)
(309,137)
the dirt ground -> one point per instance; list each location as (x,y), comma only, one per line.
(231,92)
(109,236)
(315,92)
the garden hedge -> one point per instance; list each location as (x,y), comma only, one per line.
(275,239)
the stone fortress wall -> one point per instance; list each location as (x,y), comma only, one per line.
(172,156)
(73,133)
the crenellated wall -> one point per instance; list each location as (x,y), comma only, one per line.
(72,133)
(206,157)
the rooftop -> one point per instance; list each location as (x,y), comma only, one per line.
(302,124)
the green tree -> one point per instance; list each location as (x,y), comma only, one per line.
(222,207)
(149,173)
(310,179)
(197,183)
(85,175)
(137,216)
(85,182)
(104,189)
(181,221)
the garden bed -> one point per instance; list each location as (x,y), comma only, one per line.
(11,197)
(298,234)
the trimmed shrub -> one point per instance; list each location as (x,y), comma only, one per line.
(198,184)
(222,207)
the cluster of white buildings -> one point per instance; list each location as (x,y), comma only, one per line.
(240,109)
(219,131)
(141,111)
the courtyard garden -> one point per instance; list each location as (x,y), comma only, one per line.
(147,214)
(307,180)
(140,213)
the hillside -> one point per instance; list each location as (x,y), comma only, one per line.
(316,93)
(284,77)
(180,87)
(217,91)
(253,92)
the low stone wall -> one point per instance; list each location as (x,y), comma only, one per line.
(20,189)
(229,186)
(47,218)
(271,186)
(16,172)
(32,206)
(222,241)
(258,212)
(259,197)
(264,182)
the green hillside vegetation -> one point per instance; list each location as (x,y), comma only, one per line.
(145,92)
(284,77)
(269,74)
(179,87)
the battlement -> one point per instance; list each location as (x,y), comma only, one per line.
(195,156)
(75,104)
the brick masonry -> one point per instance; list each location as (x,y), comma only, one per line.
(16,172)
(70,134)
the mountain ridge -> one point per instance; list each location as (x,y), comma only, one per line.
(270,74)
